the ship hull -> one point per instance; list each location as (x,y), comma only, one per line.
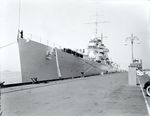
(44,63)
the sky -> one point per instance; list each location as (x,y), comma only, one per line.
(64,23)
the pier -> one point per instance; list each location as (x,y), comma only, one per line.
(105,95)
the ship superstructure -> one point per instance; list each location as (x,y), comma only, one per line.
(97,51)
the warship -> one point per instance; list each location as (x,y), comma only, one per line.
(98,95)
(40,62)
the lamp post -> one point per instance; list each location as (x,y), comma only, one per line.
(132,40)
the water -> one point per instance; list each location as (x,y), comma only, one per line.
(10,77)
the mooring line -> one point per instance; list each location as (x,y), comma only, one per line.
(9,44)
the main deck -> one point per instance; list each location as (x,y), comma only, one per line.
(107,95)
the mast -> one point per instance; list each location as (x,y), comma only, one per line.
(19,14)
(102,37)
(96,23)
(20,32)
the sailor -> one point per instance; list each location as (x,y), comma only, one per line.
(21,34)
(82,74)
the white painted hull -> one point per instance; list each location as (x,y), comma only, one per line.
(35,64)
